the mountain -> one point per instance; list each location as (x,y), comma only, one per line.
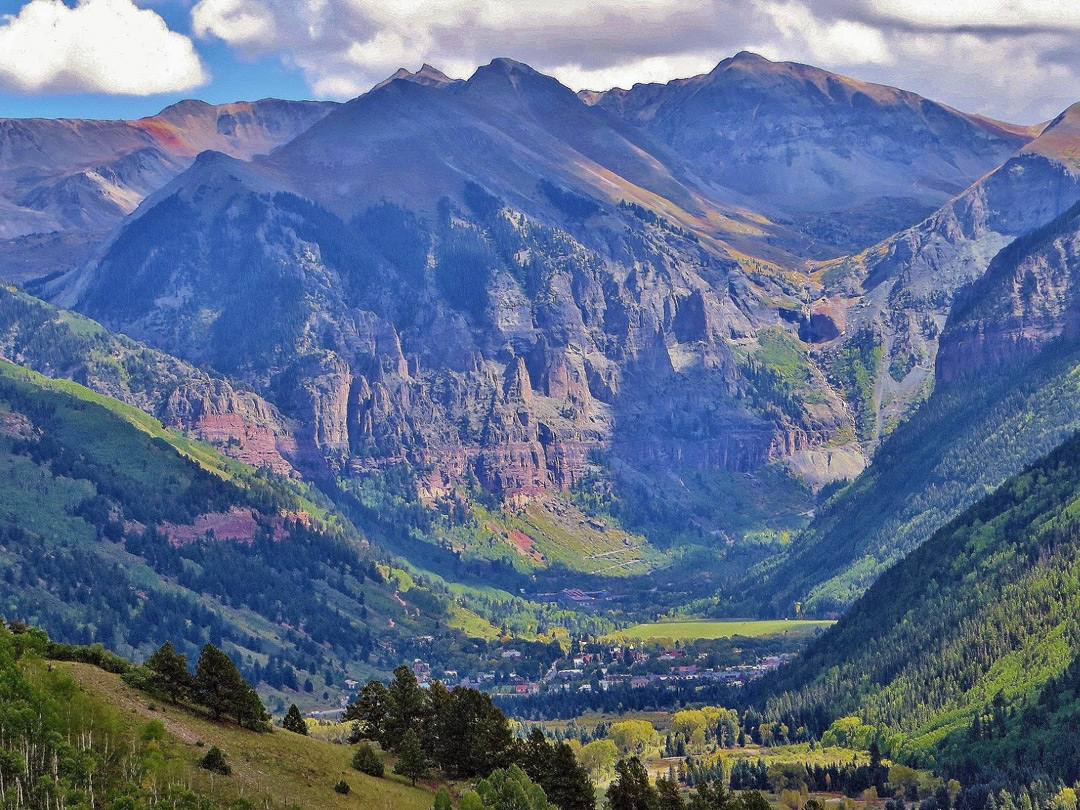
(963,655)
(500,286)
(848,162)
(120,532)
(65,182)
(490,281)
(895,297)
(1005,393)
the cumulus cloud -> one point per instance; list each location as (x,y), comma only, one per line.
(106,46)
(1011,58)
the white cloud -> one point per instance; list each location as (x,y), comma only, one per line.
(1014,59)
(106,46)
(837,41)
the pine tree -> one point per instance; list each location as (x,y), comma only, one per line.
(367,761)
(294,721)
(370,711)
(224,692)
(214,761)
(668,795)
(566,783)
(631,789)
(169,673)
(412,762)
(407,706)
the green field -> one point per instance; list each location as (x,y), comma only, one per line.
(692,629)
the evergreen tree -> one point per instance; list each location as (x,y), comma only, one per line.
(214,761)
(631,789)
(567,783)
(668,795)
(407,707)
(294,721)
(712,797)
(367,761)
(370,711)
(412,761)
(169,673)
(224,692)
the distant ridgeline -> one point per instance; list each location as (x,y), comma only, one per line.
(964,656)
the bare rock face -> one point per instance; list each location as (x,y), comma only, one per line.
(485,346)
(901,291)
(1029,296)
(242,424)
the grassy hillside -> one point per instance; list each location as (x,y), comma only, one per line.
(117,531)
(974,623)
(279,767)
(90,740)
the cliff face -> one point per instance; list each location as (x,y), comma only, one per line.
(1029,296)
(480,343)
(898,294)
(494,279)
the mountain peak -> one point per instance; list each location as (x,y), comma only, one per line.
(504,64)
(427,75)
(187,106)
(1058,139)
(748,58)
(505,79)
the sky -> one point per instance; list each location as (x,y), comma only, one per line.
(1017,60)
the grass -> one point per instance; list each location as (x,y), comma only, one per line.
(281,768)
(201,454)
(693,629)
(563,533)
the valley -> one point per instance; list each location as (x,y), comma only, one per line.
(708,445)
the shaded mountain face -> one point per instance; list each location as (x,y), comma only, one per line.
(896,296)
(847,162)
(75,179)
(496,282)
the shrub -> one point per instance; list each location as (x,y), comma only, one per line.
(342,787)
(367,761)
(214,761)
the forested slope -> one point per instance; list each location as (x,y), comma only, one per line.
(975,623)
(115,530)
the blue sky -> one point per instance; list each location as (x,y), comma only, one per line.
(1019,61)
